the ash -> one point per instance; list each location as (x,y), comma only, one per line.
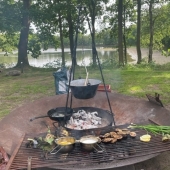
(86,120)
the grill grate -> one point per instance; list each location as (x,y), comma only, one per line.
(122,150)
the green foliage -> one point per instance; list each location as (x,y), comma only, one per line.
(104,38)
(10,16)
(2,65)
(34,46)
(144,65)
(8,42)
(161,25)
(166,53)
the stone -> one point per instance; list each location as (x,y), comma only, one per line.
(13,73)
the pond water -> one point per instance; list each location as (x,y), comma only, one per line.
(49,56)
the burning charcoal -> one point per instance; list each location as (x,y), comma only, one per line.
(94,113)
(71,121)
(82,120)
(95,122)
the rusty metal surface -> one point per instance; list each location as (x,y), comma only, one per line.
(161,118)
(126,109)
(114,155)
(15,152)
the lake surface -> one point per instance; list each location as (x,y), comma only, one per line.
(51,55)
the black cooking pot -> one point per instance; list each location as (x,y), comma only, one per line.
(105,114)
(57,114)
(82,91)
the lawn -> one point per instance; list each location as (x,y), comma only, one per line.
(36,83)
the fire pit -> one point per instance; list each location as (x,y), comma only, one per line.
(127,109)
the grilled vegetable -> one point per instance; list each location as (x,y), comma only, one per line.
(133,134)
(106,140)
(113,140)
(145,138)
(106,135)
(165,138)
(49,138)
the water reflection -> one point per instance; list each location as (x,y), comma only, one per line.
(49,56)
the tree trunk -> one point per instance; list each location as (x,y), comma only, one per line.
(124,36)
(23,41)
(125,48)
(93,45)
(138,32)
(120,33)
(151,33)
(71,30)
(92,8)
(71,36)
(61,40)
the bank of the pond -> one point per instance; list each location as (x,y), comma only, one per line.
(51,56)
(36,83)
(158,58)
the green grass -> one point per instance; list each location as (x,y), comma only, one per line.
(36,83)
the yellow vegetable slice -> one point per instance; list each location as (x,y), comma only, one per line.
(145,138)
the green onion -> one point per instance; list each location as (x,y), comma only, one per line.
(155,129)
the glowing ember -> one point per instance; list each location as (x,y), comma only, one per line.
(85,120)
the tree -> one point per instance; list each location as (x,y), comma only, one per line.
(23,40)
(94,8)
(120,33)
(71,17)
(10,25)
(138,43)
(119,15)
(61,37)
(128,16)
(15,18)
(151,31)
(8,42)
(154,14)
(154,25)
